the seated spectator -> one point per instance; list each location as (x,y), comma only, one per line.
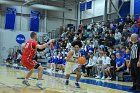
(123,52)
(99,65)
(134,20)
(127,59)
(111,51)
(120,63)
(105,65)
(18,56)
(54,63)
(51,61)
(91,65)
(118,50)
(118,37)
(110,71)
(60,63)
(9,58)
(120,26)
(112,40)
(128,20)
(134,29)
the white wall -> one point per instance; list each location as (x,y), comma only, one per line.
(98,7)
(8,40)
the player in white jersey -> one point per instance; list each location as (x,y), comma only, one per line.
(72,63)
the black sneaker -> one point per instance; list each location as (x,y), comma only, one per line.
(25,82)
(138,90)
(133,88)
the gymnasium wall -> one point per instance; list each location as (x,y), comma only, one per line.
(98,9)
(54,18)
(8,40)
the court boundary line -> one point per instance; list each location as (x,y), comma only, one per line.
(83,80)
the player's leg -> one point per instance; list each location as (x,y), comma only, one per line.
(29,73)
(29,66)
(78,73)
(25,81)
(40,74)
(67,79)
(68,71)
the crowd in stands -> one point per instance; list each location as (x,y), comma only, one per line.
(14,57)
(105,46)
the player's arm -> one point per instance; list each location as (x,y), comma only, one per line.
(42,46)
(68,59)
(45,45)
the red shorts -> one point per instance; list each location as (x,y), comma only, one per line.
(29,64)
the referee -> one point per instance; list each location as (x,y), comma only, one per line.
(135,63)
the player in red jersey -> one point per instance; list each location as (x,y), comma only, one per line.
(27,61)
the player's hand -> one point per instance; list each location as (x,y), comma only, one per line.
(51,40)
(118,69)
(138,64)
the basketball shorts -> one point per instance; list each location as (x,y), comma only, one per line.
(30,64)
(71,67)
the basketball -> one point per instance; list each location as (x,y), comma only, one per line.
(81,60)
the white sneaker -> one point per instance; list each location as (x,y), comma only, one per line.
(97,77)
(103,78)
(40,85)
(108,78)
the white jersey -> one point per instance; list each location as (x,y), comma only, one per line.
(72,66)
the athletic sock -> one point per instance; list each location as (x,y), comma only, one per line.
(39,81)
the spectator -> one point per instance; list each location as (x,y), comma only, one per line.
(134,29)
(118,37)
(99,64)
(91,65)
(111,51)
(120,63)
(127,59)
(134,20)
(18,56)
(110,71)
(128,20)
(123,52)
(113,66)
(105,65)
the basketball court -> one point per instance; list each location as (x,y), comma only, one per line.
(11,82)
(41,34)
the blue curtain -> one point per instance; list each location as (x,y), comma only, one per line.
(137,8)
(89,5)
(34,21)
(10,18)
(125,9)
(82,7)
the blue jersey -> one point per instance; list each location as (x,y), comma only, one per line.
(120,61)
(55,59)
(64,61)
(60,60)
(82,52)
(127,56)
(51,60)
